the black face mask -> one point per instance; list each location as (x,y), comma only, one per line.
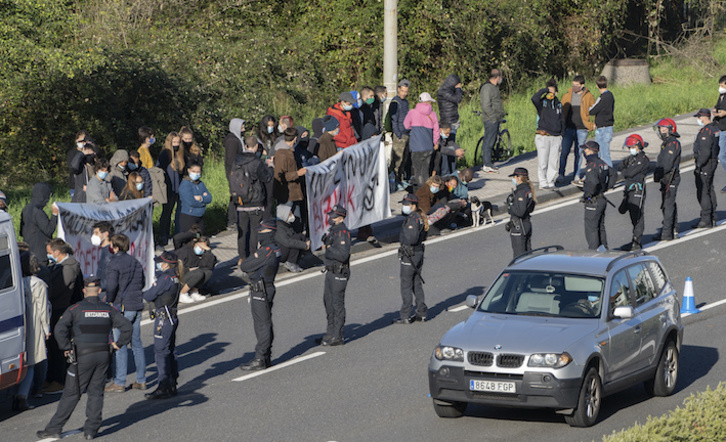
(331,220)
(266,238)
(663,136)
(176,148)
(187,144)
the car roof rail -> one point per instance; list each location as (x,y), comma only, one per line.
(542,250)
(626,255)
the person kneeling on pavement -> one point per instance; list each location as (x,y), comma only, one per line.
(199,261)
(164,295)
(290,242)
(435,201)
(259,271)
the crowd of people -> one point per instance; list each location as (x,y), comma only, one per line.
(266,169)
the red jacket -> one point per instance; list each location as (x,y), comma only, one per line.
(346,136)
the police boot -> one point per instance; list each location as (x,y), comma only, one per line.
(254,365)
(159,393)
(172,389)
(635,245)
(20,403)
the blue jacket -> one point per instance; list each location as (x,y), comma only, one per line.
(125,282)
(188,189)
(398,111)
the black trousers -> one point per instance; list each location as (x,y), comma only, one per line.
(636,202)
(289,254)
(247,222)
(56,361)
(92,376)
(520,233)
(186,221)
(334,300)
(165,350)
(420,167)
(595,223)
(231,212)
(261,306)
(165,220)
(670,210)
(706,196)
(197,278)
(412,285)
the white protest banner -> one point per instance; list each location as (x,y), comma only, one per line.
(356,178)
(132,218)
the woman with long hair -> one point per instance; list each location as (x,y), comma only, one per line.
(191,148)
(134,188)
(520,205)
(411,255)
(172,162)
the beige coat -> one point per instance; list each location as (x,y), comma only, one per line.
(37,312)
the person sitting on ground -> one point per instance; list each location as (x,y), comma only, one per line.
(199,261)
(463,178)
(290,242)
(182,238)
(136,166)
(99,189)
(133,189)
(435,200)
(428,194)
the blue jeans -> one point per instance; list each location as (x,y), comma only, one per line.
(572,138)
(122,356)
(27,382)
(722,152)
(603,136)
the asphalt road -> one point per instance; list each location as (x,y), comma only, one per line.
(375,387)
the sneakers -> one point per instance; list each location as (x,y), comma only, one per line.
(489,169)
(137,386)
(332,342)
(114,388)
(184,298)
(403,321)
(196,296)
(292,267)
(54,388)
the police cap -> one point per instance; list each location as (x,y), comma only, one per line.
(338,210)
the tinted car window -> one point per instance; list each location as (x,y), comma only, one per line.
(644,289)
(659,277)
(619,291)
(6,273)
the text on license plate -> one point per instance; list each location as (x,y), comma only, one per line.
(495,386)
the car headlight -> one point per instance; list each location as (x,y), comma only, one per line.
(555,360)
(444,353)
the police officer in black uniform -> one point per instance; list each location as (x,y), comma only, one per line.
(634,169)
(259,270)
(667,173)
(598,178)
(82,334)
(337,268)
(164,295)
(705,153)
(520,204)
(411,255)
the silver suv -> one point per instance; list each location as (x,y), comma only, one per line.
(561,330)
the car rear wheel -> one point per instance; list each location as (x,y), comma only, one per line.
(589,401)
(666,375)
(454,409)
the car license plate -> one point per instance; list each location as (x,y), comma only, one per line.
(493,386)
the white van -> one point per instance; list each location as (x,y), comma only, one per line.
(12,307)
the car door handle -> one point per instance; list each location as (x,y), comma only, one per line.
(636,330)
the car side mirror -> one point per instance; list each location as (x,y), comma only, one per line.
(623,312)
(471,301)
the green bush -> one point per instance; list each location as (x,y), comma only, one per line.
(701,418)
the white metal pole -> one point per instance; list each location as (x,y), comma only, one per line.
(390,49)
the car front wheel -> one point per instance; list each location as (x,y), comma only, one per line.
(589,401)
(666,375)
(454,409)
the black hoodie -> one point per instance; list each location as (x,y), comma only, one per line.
(449,97)
(35,226)
(551,117)
(263,175)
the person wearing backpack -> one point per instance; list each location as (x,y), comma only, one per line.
(248,181)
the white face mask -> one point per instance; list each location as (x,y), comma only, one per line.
(80,145)
(96,240)
(514,182)
(406,210)
(633,151)
(721,90)
(291,219)
(700,122)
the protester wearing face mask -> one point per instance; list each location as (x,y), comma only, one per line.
(191,148)
(342,111)
(449,151)
(146,138)
(634,168)
(411,256)
(135,165)
(118,172)
(78,146)
(172,162)
(291,243)
(266,134)
(36,227)
(199,262)
(576,104)
(134,188)
(428,194)
(101,237)
(99,189)
(194,198)
(380,95)
(326,143)
(80,165)
(705,155)
(719,117)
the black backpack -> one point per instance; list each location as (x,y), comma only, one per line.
(245,185)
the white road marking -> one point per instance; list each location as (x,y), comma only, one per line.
(459,308)
(279,366)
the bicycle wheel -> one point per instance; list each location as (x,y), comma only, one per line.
(507,146)
(476,150)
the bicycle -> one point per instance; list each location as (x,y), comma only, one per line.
(502,150)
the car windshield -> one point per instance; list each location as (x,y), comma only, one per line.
(545,294)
